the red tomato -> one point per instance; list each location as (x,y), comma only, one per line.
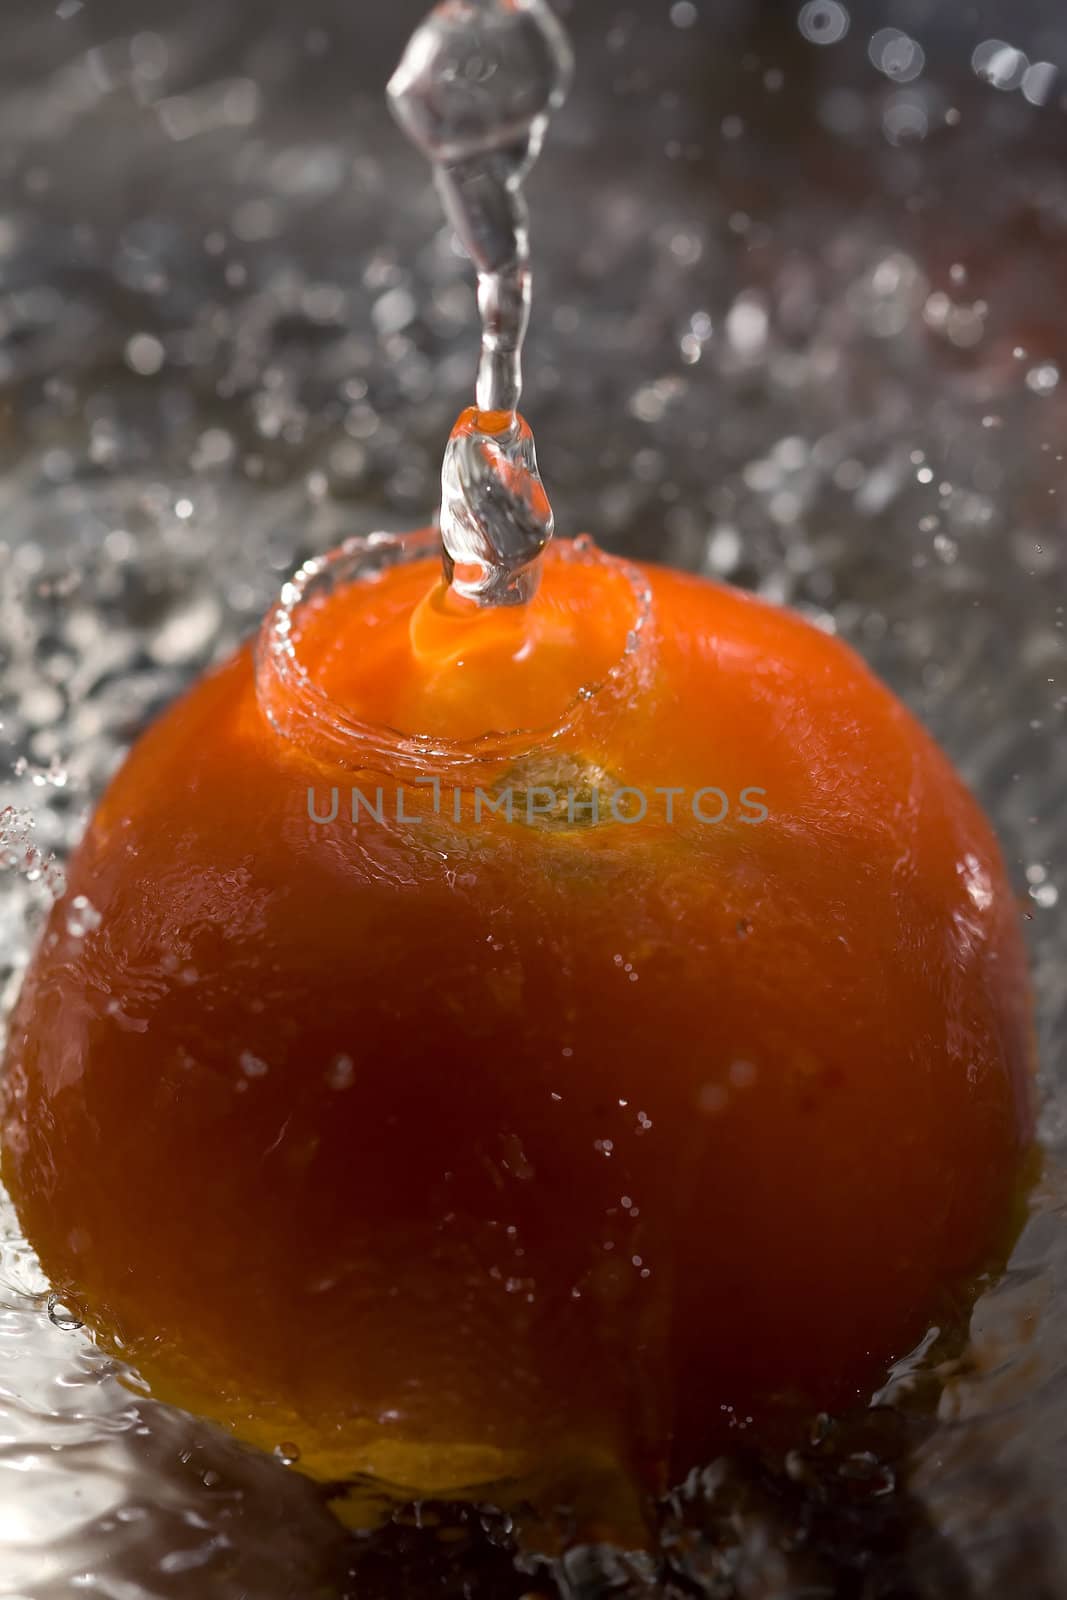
(462,1152)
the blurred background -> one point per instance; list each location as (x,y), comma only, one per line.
(798,324)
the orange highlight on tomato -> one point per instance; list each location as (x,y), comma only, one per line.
(471,1141)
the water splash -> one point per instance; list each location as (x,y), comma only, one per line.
(474,90)
(18,850)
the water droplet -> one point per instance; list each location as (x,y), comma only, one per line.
(83,917)
(684,14)
(976,881)
(1037,83)
(999,64)
(61,1317)
(1044,378)
(896,54)
(188,630)
(747,324)
(144,354)
(823,21)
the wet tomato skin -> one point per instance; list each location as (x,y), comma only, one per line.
(452,1152)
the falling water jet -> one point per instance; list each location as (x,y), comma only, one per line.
(474,90)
